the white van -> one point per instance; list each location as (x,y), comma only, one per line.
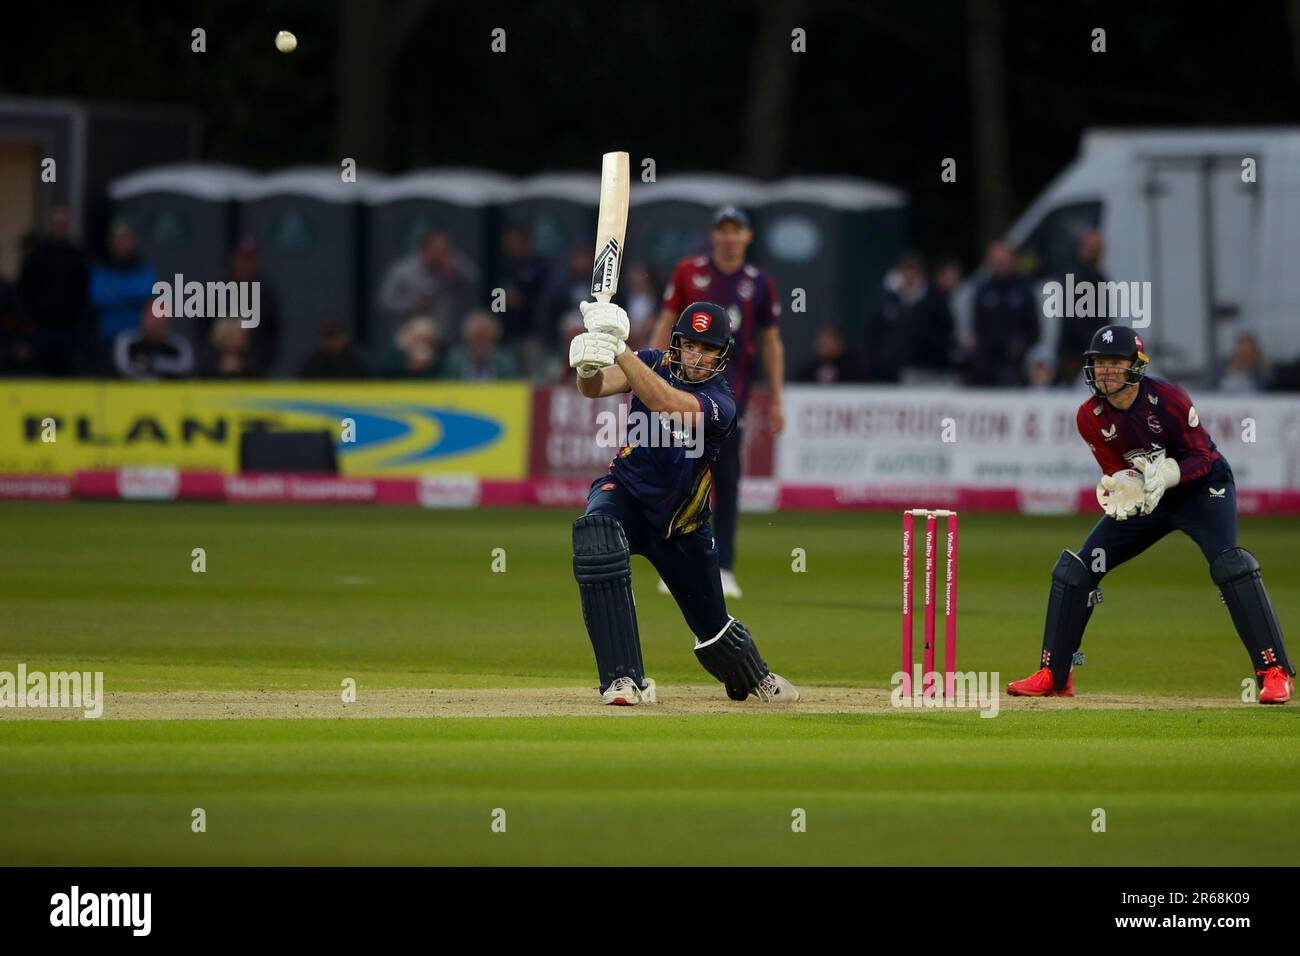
(1222,254)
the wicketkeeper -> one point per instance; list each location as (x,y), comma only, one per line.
(655,502)
(1162,473)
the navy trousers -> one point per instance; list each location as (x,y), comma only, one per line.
(687,563)
(1205,510)
(726,497)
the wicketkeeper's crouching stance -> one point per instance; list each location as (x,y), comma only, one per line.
(1162,473)
(655,502)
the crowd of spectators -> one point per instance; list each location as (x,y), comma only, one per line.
(914,337)
(67,313)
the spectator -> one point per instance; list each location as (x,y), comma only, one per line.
(891,331)
(334,356)
(642,306)
(1006,322)
(832,362)
(153,350)
(264,338)
(230,353)
(53,293)
(16,354)
(524,277)
(479,359)
(1076,331)
(433,280)
(416,351)
(556,369)
(1285,377)
(565,292)
(947,275)
(120,286)
(1245,371)
(1040,367)
(933,330)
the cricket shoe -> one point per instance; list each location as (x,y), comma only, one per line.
(729,586)
(1039,684)
(1277,685)
(624,693)
(775,689)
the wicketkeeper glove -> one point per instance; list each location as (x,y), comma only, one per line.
(1121,495)
(1160,476)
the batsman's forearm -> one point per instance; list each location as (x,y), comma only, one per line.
(590,387)
(657,394)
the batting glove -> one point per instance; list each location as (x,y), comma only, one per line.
(605,317)
(589,352)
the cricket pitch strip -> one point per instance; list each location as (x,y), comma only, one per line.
(674,700)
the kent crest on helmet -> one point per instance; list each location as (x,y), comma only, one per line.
(704,322)
(1117,341)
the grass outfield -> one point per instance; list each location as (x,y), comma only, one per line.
(297,599)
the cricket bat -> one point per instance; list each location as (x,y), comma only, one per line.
(611,226)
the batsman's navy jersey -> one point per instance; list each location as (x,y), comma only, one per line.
(748,295)
(671,482)
(1161,422)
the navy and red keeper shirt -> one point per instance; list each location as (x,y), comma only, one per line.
(1161,422)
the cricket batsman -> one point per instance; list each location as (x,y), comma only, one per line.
(1162,473)
(655,502)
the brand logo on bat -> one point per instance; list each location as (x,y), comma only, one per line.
(604,277)
(700,321)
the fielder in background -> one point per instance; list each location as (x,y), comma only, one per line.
(655,501)
(1162,473)
(750,300)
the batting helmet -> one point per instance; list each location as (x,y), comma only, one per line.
(700,322)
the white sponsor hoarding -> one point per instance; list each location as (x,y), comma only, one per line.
(1027,440)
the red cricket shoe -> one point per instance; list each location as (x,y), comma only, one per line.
(1039,684)
(1277,685)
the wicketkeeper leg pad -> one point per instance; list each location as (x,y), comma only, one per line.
(1068,609)
(602,566)
(732,657)
(1237,573)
